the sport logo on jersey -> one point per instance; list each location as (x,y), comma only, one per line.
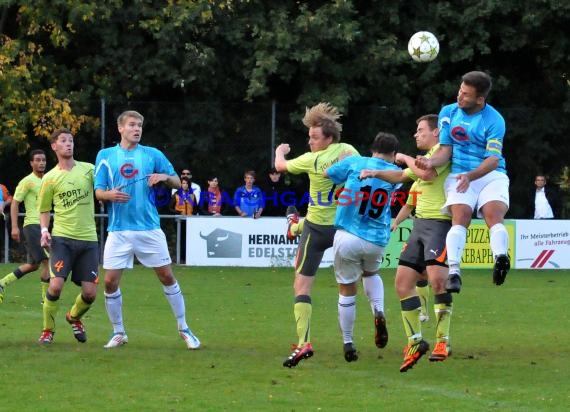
(459,134)
(128,171)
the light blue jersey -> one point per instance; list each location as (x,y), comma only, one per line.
(116,167)
(473,137)
(363,205)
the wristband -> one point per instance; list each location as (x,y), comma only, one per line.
(44,230)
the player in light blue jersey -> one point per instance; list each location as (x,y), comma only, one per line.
(125,176)
(130,170)
(363,230)
(471,134)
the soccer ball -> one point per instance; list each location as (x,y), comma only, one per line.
(423,46)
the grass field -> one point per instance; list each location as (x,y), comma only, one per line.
(510,349)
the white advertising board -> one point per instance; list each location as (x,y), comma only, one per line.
(235,241)
(542,244)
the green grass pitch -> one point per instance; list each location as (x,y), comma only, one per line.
(510,348)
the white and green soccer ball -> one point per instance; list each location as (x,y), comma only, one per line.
(423,46)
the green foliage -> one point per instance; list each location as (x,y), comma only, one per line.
(507,356)
(71,53)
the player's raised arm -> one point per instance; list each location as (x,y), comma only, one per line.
(280,152)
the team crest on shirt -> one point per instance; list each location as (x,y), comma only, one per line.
(128,171)
(459,134)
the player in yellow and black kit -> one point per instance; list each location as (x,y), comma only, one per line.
(425,249)
(317,230)
(74,249)
(27,192)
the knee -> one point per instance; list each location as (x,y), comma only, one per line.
(88,296)
(54,289)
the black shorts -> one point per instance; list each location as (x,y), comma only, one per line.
(78,257)
(32,236)
(315,239)
(426,245)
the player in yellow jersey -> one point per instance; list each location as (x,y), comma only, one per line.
(27,192)
(74,248)
(318,230)
(425,249)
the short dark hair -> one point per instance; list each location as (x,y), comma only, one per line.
(431,119)
(481,81)
(35,152)
(185,179)
(250,172)
(384,143)
(62,130)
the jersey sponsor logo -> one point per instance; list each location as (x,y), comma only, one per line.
(459,134)
(128,171)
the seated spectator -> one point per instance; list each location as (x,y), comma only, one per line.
(2,204)
(6,196)
(194,186)
(248,199)
(184,200)
(183,203)
(273,188)
(213,201)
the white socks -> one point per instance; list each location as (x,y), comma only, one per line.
(499,239)
(455,242)
(114,306)
(374,290)
(174,296)
(346,316)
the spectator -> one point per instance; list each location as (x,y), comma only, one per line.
(248,199)
(2,205)
(6,196)
(183,203)
(194,186)
(184,200)
(5,204)
(273,189)
(543,202)
(213,201)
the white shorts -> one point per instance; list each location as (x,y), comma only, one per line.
(492,186)
(353,255)
(149,246)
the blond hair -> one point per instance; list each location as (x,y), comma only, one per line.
(129,113)
(325,116)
